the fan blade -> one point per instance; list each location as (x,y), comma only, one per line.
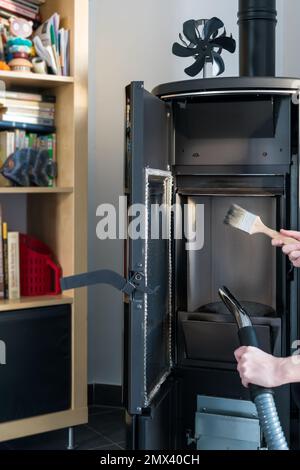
(229,44)
(197,66)
(182,51)
(219,62)
(183,40)
(212,25)
(191,32)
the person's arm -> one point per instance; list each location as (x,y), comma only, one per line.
(259,368)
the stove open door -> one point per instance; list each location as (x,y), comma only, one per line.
(148,318)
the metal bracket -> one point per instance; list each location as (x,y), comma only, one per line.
(106,276)
(190,439)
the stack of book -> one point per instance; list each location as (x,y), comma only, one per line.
(9,263)
(25,108)
(29,9)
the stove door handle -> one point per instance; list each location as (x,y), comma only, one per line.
(106,276)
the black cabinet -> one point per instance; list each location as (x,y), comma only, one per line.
(35,374)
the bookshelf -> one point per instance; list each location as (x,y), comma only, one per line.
(58,216)
(36,190)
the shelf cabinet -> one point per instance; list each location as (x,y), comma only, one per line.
(58,216)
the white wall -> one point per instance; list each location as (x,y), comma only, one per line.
(289,46)
(132,40)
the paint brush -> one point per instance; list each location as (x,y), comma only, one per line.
(250,223)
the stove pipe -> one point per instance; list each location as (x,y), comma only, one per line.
(257,21)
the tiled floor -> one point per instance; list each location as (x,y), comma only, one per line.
(105,431)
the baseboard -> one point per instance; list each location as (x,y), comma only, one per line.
(105,395)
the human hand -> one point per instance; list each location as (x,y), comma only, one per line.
(258,368)
(292,251)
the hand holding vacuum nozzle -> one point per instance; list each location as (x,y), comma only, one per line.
(263,398)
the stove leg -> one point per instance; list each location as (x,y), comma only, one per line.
(71,445)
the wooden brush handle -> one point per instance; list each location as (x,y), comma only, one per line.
(278,236)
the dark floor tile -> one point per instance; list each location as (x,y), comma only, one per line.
(111,425)
(91,440)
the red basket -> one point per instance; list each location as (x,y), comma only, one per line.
(39,274)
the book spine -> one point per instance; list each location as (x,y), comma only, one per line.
(21,139)
(17,118)
(50,151)
(32,105)
(4,154)
(11,143)
(2,287)
(30,127)
(16,95)
(13,266)
(17,139)
(28,112)
(5,259)
(22,4)
(29,5)
(11,7)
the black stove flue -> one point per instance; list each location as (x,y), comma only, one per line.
(257,21)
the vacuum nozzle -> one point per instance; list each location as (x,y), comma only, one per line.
(241,317)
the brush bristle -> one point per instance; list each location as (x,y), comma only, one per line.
(240,218)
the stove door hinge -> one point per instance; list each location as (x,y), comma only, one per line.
(136,282)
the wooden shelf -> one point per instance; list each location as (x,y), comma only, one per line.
(13,190)
(34,302)
(58,216)
(34,80)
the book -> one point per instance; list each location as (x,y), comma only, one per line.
(19,139)
(48,142)
(5,259)
(31,6)
(2,293)
(13,265)
(34,105)
(7,147)
(37,2)
(29,127)
(18,118)
(30,112)
(18,9)
(15,95)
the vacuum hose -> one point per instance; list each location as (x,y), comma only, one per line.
(262,397)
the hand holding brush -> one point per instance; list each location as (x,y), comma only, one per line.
(250,223)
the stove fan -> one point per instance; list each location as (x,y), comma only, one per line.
(205,45)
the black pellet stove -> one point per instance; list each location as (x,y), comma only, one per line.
(210,143)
